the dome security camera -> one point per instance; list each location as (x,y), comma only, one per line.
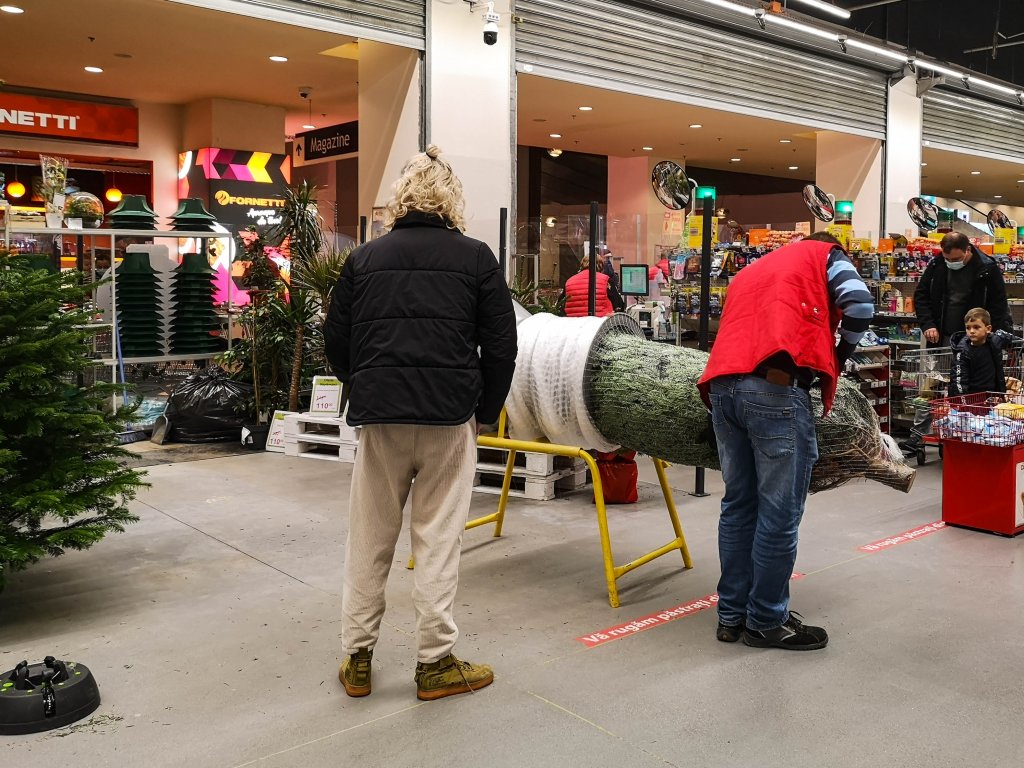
(491,20)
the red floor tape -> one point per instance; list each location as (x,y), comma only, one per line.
(653,620)
(903,538)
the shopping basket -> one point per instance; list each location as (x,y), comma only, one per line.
(983,418)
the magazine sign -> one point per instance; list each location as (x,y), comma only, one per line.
(331,143)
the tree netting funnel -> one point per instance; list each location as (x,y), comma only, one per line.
(642,395)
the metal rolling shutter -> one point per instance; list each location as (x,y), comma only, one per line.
(968,124)
(643,51)
(396,21)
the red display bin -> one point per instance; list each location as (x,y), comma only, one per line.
(983,487)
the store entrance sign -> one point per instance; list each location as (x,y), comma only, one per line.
(327,143)
(43,117)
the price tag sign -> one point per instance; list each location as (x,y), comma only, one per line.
(275,438)
(326,396)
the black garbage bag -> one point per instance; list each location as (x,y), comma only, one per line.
(206,408)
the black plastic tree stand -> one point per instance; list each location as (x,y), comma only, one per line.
(41,697)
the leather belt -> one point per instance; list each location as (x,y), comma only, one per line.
(779,377)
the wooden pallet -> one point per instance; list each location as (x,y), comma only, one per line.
(313,427)
(531,487)
(320,449)
(537,464)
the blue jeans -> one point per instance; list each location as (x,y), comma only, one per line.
(767,447)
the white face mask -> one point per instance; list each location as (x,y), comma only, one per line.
(954,265)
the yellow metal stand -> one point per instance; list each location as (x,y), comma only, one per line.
(612,571)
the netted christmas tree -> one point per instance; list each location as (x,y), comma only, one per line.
(63,483)
(597,383)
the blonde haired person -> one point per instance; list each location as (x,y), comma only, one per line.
(422,332)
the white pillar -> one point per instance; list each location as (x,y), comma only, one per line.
(470,109)
(850,168)
(903,154)
(389,118)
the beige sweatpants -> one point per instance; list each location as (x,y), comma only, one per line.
(443,461)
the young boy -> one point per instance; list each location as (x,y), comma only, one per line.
(978,355)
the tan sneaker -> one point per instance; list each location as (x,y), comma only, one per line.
(355,673)
(449,677)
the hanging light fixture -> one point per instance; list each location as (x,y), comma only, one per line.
(16,189)
(309,121)
(114,194)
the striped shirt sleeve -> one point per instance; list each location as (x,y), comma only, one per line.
(851,295)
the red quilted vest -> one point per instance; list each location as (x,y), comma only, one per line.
(576,291)
(780,303)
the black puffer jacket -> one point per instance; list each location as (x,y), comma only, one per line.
(421,327)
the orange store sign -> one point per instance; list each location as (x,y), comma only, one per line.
(42,117)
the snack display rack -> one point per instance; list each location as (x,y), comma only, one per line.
(982,437)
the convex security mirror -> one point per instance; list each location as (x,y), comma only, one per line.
(924,213)
(819,203)
(671,186)
(998,220)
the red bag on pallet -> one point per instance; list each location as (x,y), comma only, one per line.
(618,476)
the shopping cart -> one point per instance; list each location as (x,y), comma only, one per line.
(923,377)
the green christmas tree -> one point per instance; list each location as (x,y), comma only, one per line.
(63,483)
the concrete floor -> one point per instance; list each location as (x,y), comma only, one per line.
(213,628)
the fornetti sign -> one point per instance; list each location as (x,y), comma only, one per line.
(44,117)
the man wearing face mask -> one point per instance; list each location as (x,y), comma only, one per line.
(963,278)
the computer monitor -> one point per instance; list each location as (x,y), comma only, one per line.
(634,279)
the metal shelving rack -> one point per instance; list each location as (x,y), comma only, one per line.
(113,235)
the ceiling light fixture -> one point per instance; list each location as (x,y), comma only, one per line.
(94,70)
(783,21)
(11,9)
(993,86)
(958,190)
(555,135)
(16,189)
(975,173)
(878,50)
(842,13)
(1020,181)
(309,123)
(998,197)
(939,68)
(794,167)
(734,159)
(585,109)
(113,194)
(279,59)
(743,9)
(696,125)
(647,149)
(785,141)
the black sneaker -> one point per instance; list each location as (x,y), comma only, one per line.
(727,634)
(794,635)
